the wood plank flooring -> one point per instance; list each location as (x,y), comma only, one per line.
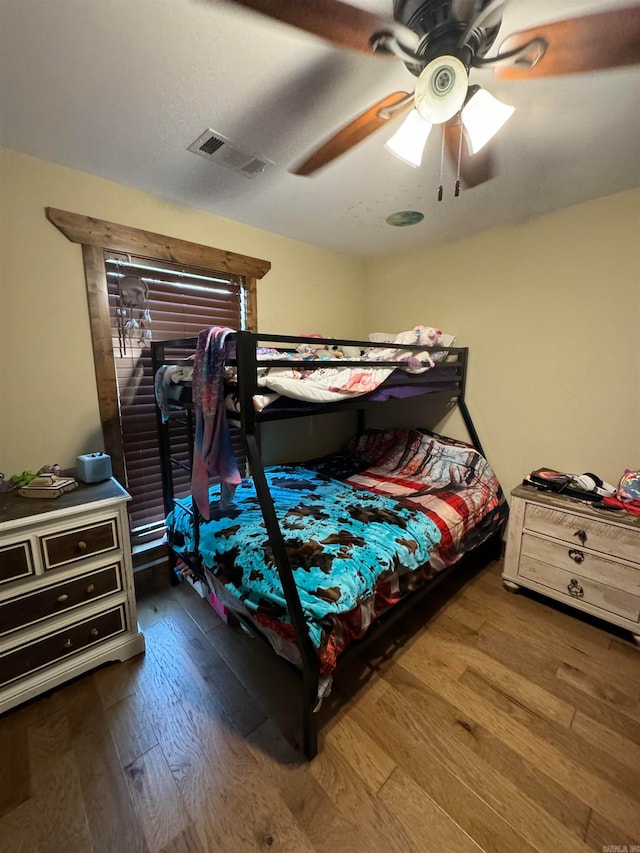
(487,722)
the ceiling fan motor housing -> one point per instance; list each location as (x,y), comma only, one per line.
(440,31)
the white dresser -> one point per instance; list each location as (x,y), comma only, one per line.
(585,557)
(67,601)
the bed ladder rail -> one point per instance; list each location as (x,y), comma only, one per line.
(462,403)
(310,668)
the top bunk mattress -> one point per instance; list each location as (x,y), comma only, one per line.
(298,380)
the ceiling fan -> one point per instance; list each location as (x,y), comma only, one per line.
(440,42)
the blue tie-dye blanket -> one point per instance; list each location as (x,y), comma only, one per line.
(341,541)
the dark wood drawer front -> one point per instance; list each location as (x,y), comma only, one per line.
(15,561)
(56,599)
(26,659)
(63,548)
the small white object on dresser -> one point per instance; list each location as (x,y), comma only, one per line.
(67,600)
(585,557)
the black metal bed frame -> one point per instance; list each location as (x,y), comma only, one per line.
(454,385)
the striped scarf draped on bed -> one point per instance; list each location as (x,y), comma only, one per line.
(213,451)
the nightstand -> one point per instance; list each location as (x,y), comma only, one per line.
(568,550)
(67,601)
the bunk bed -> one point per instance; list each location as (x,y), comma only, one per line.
(319,557)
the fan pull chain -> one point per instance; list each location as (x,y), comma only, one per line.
(440,190)
(457,191)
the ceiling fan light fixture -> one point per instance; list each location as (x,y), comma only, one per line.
(441,89)
(483,116)
(408,142)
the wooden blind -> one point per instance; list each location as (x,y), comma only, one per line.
(178,302)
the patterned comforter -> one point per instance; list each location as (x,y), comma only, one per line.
(340,542)
(448,480)
(362,529)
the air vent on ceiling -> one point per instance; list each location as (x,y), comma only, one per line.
(214,146)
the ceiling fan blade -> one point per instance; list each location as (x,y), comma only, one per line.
(589,43)
(351,134)
(474,169)
(337,22)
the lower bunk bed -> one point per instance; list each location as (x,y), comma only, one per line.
(367,532)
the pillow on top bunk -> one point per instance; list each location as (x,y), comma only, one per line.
(420,335)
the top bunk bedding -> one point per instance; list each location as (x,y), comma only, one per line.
(303,373)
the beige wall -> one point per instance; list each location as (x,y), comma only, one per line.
(550,310)
(49,410)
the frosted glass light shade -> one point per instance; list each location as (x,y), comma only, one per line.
(483,116)
(409,140)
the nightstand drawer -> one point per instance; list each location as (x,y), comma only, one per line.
(15,561)
(33,656)
(579,589)
(56,599)
(590,564)
(60,549)
(577,530)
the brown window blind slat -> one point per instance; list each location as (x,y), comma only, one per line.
(180,302)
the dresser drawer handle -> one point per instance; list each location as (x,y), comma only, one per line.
(582,535)
(91,588)
(575,589)
(94,632)
(82,545)
(576,556)
(68,643)
(62,598)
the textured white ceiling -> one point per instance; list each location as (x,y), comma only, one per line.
(120,88)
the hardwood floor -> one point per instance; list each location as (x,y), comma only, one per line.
(500,723)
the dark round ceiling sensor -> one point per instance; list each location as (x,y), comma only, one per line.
(405,217)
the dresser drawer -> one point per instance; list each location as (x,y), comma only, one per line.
(580,589)
(33,656)
(16,561)
(60,549)
(27,609)
(617,541)
(590,564)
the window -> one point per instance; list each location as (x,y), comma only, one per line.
(156,300)
(97,236)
